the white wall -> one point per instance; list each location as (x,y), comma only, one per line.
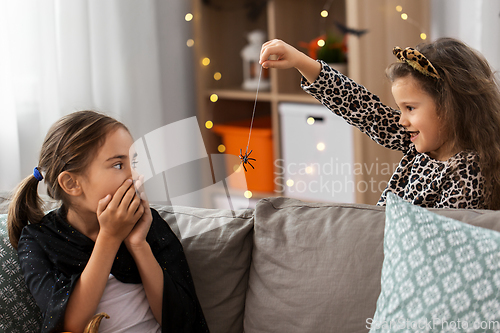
(476,22)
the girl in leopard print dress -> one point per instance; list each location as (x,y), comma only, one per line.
(448,125)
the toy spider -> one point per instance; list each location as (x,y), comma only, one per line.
(246,159)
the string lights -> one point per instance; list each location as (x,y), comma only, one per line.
(216,76)
(320,146)
(405,17)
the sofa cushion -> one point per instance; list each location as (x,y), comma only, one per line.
(438,274)
(219,256)
(18,310)
(316,267)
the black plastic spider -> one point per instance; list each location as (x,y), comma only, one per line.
(246,159)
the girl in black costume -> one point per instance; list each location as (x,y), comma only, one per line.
(104,249)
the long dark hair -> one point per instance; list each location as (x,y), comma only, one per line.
(467,100)
(69,146)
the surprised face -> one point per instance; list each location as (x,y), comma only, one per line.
(110,167)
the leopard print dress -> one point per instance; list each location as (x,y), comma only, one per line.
(418,179)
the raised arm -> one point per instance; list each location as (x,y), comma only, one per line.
(359,107)
(340,94)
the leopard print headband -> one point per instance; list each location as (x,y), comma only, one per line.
(416,60)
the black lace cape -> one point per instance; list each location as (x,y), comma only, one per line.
(53,254)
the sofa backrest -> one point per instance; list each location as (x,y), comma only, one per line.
(317,267)
(219,257)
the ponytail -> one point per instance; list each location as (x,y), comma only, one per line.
(25,206)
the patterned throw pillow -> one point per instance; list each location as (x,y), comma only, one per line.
(438,275)
(18,310)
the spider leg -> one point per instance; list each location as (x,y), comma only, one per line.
(251,165)
(244,167)
(253,159)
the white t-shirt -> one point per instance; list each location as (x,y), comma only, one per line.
(127,307)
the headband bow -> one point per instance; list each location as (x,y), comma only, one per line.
(416,60)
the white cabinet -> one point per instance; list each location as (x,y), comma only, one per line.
(317,154)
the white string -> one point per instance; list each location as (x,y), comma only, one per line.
(254,107)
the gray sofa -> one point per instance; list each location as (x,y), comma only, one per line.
(287,266)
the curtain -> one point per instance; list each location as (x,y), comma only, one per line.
(126,58)
(477,23)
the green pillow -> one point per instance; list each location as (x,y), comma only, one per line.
(18,310)
(438,274)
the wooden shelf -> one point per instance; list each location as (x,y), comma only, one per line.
(239,94)
(264,96)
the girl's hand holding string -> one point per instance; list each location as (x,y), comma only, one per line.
(287,57)
(118,214)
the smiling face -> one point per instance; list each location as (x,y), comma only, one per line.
(419,117)
(110,167)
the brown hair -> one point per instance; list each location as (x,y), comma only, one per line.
(68,146)
(467,100)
